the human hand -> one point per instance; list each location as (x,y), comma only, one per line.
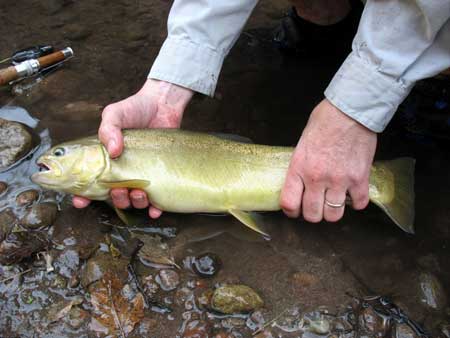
(158,104)
(332,158)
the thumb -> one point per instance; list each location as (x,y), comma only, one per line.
(110,131)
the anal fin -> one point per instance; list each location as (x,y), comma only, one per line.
(251,220)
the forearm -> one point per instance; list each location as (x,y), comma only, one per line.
(397,44)
(200,35)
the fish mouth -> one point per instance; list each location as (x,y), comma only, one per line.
(43,167)
(46,174)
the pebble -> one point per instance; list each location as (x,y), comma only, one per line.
(230,299)
(206,265)
(168,279)
(15,142)
(40,215)
(27,198)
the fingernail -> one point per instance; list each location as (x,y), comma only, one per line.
(111,146)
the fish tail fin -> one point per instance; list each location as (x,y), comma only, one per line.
(393,190)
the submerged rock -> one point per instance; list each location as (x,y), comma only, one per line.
(27,197)
(40,215)
(17,246)
(231,299)
(168,279)
(15,142)
(206,265)
(432,292)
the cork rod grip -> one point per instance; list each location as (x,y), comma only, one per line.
(7,75)
(51,59)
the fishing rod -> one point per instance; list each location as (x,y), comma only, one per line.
(31,67)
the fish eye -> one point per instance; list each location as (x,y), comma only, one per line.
(59,152)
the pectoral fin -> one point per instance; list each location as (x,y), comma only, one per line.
(251,220)
(132,184)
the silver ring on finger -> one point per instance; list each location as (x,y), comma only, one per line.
(334,205)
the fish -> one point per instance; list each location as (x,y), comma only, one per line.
(191,172)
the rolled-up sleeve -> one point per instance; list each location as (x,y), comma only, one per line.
(200,35)
(398,43)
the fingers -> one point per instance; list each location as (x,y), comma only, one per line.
(334,209)
(120,198)
(80,202)
(110,131)
(359,195)
(154,212)
(139,199)
(312,204)
(291,194)
(136,198)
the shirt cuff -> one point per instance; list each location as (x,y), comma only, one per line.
(365,94)
(188,64)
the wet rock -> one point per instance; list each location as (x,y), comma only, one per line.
(404,331)
(81,111)
(7,222)
(418,293)
(101,264)
(76,32)
(40,216)
(196,329)
(231,299)
(432,292)
(183,295)
(168,279)
(15,141)
(27,198)
(17,246)
(3,187)
(206,265)
(373,323)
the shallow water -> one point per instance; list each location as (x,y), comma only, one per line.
(261,95)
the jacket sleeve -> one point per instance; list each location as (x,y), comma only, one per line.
(398,43)
(200,35)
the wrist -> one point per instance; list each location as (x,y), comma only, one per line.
(167,94)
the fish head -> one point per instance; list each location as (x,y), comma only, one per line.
(71,167)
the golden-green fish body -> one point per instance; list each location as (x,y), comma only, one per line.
(186,172)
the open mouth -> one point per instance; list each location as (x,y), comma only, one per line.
(43,167)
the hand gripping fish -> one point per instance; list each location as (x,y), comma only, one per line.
(190,172)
